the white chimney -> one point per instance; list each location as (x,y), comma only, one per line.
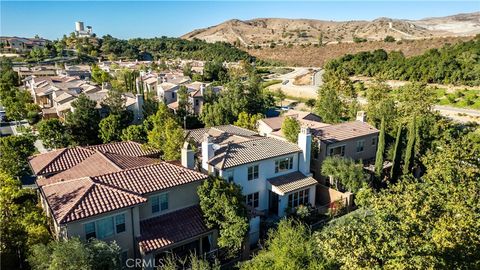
(188,156)
(361,116)
(207,151)
(305,143)
(202,89)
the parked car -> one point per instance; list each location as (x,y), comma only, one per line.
(285,82)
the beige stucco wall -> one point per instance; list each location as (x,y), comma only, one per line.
(178,197)
(124,239)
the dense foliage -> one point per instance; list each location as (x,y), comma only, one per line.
(14,153)
(426,223)
(290,246)
(346,173)
(75,254)
(452,64)
(223,208)
(22,222)
(290,129)
(82,123)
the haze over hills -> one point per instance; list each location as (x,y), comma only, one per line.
(302,31)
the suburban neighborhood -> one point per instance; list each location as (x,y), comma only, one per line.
(207,152)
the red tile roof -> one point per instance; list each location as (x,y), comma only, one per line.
(60,160)
(83,197)
(151,178)
(163,231)
(79,198)
(97,164)
(128,148)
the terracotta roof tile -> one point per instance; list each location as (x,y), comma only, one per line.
(221,133)
(171,228)
(97,164)
(128,148)
(58,160)
(151,178)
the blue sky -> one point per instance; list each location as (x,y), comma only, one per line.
(129,19)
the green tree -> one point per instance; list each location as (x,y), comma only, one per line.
(166,134)
(396,153)
(310,103)
(381,104)
(345,172)
(74,254)
(290,246)
(223,207)
(248,121)
(23,222)
(111,128)
(280,96)
(329,104)
(14,153)
(389,39)
(290,129)
(114,102)
(187,70)
(52,133)
(380,150)
(409,225)
(82,123)
(134,133)
(410,145)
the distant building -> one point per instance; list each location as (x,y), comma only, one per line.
(20,44)
(81,32)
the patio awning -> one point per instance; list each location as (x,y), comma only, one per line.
(291,182)
(166,230)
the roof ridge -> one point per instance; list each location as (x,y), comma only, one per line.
(61,219)
(185,168)
(226,154)
(108,160)
(117,189)
(51,161)
(128,169)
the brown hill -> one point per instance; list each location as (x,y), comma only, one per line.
(263,32)
(314,56)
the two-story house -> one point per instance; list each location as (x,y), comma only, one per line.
(118,192)
(355,139)
(274,174)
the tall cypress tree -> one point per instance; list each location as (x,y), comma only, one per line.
(395,161)
(380,149)
(410,145)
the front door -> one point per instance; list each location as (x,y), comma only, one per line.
(272,203)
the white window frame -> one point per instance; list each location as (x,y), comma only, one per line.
(253,172)
(114,217)
(253,200)
(296,200)
(288,159)
(160,210)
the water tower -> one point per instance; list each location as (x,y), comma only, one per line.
(79,26)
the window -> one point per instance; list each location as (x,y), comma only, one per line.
(360,145)
(298,198)
(337,151)
(374,140)
(252,172)
(90,230)
(173,94)
(252,199)
(229,176)
(283,164)
(120,223)
(159,203)
(196,102)
(105,227)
